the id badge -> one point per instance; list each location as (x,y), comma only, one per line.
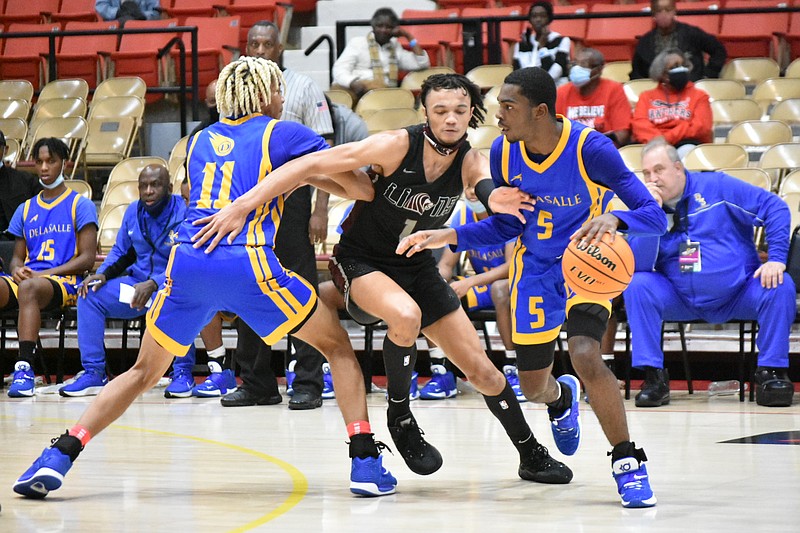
(689,258)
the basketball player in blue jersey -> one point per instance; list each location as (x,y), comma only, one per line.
(56,242)
(419,174)
(570,171)
(223,162)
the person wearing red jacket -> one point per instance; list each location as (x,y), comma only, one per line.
(675,109)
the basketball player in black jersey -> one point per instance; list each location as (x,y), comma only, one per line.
(418,173)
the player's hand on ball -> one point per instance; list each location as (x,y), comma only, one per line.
(228,221)
(428,239)
(593,230)
(511,201)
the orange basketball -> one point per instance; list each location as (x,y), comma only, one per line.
(598,270)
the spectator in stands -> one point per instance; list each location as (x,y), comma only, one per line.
(487,288)
(15,188)
(668,34)
(304,103)
(375,60)
(540,47)
(676,109)
(595,101)
(699,271)
(56,242)
(125,10)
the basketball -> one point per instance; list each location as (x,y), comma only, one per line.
(598,270)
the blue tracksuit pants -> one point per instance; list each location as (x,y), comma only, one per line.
(650,299)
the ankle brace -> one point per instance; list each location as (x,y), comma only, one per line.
(362,445)
(68,445)
(627,449)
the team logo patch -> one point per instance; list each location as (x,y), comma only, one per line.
(419,203)
(222,145)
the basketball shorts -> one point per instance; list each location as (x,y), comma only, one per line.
(421,281)
(478,298)
(246,281)
(65,294)
(540,304)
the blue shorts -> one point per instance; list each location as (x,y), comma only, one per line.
(64,287)
(540,303)
(478,298)
(247,281)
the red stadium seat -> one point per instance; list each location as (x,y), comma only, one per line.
(707,23)
(616,37)
(29,11)
(430,37)
(85,56)
(751,34)
(575,29)
(22,58)
(181,9)
(138,54)
(217,37)
(76,10)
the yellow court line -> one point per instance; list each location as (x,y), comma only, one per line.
(299,481)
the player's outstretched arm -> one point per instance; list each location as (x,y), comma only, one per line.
(354,185)
(427,239)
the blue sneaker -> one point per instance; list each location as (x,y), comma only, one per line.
(327,383)
(290,375)
(413,391)
(567,426)
(633,483)
(441,385)
(86,384)
(22,384)
(46,474)
(368,477)
(181,385)
(512,376)
(216,384)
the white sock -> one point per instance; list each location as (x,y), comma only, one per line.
(511,354)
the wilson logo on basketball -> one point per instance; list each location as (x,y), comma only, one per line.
(594,252)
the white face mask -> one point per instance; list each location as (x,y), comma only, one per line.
(475,206)
(58,181)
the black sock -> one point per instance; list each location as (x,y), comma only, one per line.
(362,445)
(506,409)
(26,351)
(399,362)
(627,449)
(564,402)
(68,445)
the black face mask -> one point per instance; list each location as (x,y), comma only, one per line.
(678,78)
(157,208)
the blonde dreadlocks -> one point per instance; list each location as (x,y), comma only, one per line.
(243,83)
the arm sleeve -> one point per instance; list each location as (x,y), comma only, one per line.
(152,9)
(761,208)
(106,9)
(643,130)
(618,116)
(407,60)
(607,168)
(315,109)
(559,67)
(345,65)
(715,50)
(114,263)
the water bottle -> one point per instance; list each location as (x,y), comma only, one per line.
(723,388)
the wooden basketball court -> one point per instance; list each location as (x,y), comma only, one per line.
(192,465)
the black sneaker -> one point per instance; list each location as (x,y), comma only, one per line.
(421,457)
(542,468)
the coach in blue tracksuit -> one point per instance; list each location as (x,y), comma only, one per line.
(138,259)
(707,267)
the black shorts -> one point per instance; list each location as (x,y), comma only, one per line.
(55,302)
(420,280)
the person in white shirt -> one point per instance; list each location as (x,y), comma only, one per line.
(374,60)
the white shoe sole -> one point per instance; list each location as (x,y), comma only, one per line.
(212,393)
(368,489)
(88,391)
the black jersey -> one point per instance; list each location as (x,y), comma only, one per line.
(404,202)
